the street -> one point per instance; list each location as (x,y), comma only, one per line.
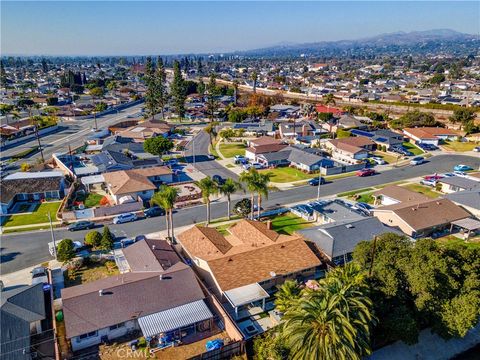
(29,248)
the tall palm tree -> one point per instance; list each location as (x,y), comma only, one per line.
(209,188)
(166,197)
(228,188)
(254,78)
(235,91)
(250,179)
(287,296)
(262,181)
(332,322)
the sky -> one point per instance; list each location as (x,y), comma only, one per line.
(162,27)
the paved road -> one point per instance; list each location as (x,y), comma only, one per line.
(72,133)
(26,249)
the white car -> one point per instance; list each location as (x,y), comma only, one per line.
(39,275)
(123,218)
(257,166)
(426,182)
(378,160)
(417,160)
(460,173)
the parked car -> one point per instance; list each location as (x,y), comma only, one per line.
(247,166)
(123,218)
(429,182)
(154,211)
(417,160)
(365,172)
(316,181)
(427,147)
(462,167)
(460,173)
(401,150)
(378,160)
(81,225)
(449,174)
(476,149)
(211,157)
(39,275)
(239,159)
(257,166)
(218,179)
(363,207)
(434,177)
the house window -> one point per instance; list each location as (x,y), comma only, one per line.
(88,335)
(117,326)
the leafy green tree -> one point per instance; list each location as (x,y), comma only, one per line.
(161,93)
(228,188)
(437,79)
(414,118)
(463,116)
(269,346)
(178,91)
(107,239)
(208,188)
(6,109)
(93,239)
(287,296)
(157,145)
(243,207)
(212,93)
(65,250)
(201,87)
(151,103)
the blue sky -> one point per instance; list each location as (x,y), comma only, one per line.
(160,27)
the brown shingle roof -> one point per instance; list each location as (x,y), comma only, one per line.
(253,232)
(346,147)
(429,132)
(127,181)
(262,149)
(153,171)
(204,242)
(127,297)
(264,140)
(12,187)
(150,255)
(401,194)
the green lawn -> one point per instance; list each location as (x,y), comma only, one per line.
(287,174)
(422,189)
(355,192)
(289,223)
(413,148)
(451,241)
(229,150)
(364,195)
(459,146)
(92,200)
(39,216)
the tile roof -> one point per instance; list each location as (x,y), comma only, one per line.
(127,181)
(127,297)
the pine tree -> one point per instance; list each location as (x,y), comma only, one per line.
(161,86)
(107,239)
(150,94)
(199,66)
(178,90)
(212,102)
(3,75)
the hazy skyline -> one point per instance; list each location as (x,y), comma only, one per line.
(137,28)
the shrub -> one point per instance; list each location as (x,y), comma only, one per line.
(65,250)
(107,239)
(25,167)
(93,239)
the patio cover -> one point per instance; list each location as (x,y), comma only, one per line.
(174,318)
(468,224)
(93,179)
(245,294)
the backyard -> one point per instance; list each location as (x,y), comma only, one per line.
(287,224)
(362,195)
(413,148)
(92,200)
(88,271)
(422,189)
(38,216)
(452,241)
(459,146)
(230,150)
(287,174)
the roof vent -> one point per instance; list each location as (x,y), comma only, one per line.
(153,247)
(100,292)
(160,277)
(272,274)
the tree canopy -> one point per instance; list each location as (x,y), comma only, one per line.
(157,145)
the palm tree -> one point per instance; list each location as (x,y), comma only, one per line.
(211,130)
(254,78)
(250,178)
(287,295)
(262,181)
(235,91)
(209,188)
(166,197)
(332,322)
(228,188)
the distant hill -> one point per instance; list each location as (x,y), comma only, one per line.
(413,42)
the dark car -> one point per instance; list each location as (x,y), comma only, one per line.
(154,211)
(365,172)
(315,181)
(218,179)
(81,225)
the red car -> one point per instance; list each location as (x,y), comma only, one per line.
(365,172)
(433,177)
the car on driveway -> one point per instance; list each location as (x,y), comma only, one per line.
(257,166)
(218,179)
(239,159)
(434,177)
(81,225)
(154,211)
(124,218)
(316,181)
(378,160)
(39,275)
(365,172)
(460,173)
(363,207)
(417,160)
(476,149)
(462,167)
(431,182)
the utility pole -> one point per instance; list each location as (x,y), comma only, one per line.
(53,235)
(373,256)
(39,143)
(193,150)
(319,183)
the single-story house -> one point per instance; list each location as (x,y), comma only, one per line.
(457,183)
(329,211)
(296,157)
(155,302)
(430,135)
(420,219)
(467,199)
(241,266)
(337,240)
(394,194)
(22,313)
(30,186)
(146,130)
(384,137)
(256,128)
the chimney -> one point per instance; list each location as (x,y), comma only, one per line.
(269,224)
(100,292)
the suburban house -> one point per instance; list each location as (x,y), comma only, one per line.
(394,194)
(22,313)
(337,240)
(285,111)
(256,128)
(302,160)
(155,302)
(430,135)
(419,219)
(467,199)
(262,145)
(350,148)
(127,185)
(111,160)
(293,130)
(30,186)
(330,211)
(381,137)
(149,255)
(146,130)
(457,183)
(249,261)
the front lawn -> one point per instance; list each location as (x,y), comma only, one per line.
(452,241)
(422,189)
(459,146)
(287,174)
(413,148)
(89,270)
(230,150)
(390,159)
(287,224)
(38,216)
